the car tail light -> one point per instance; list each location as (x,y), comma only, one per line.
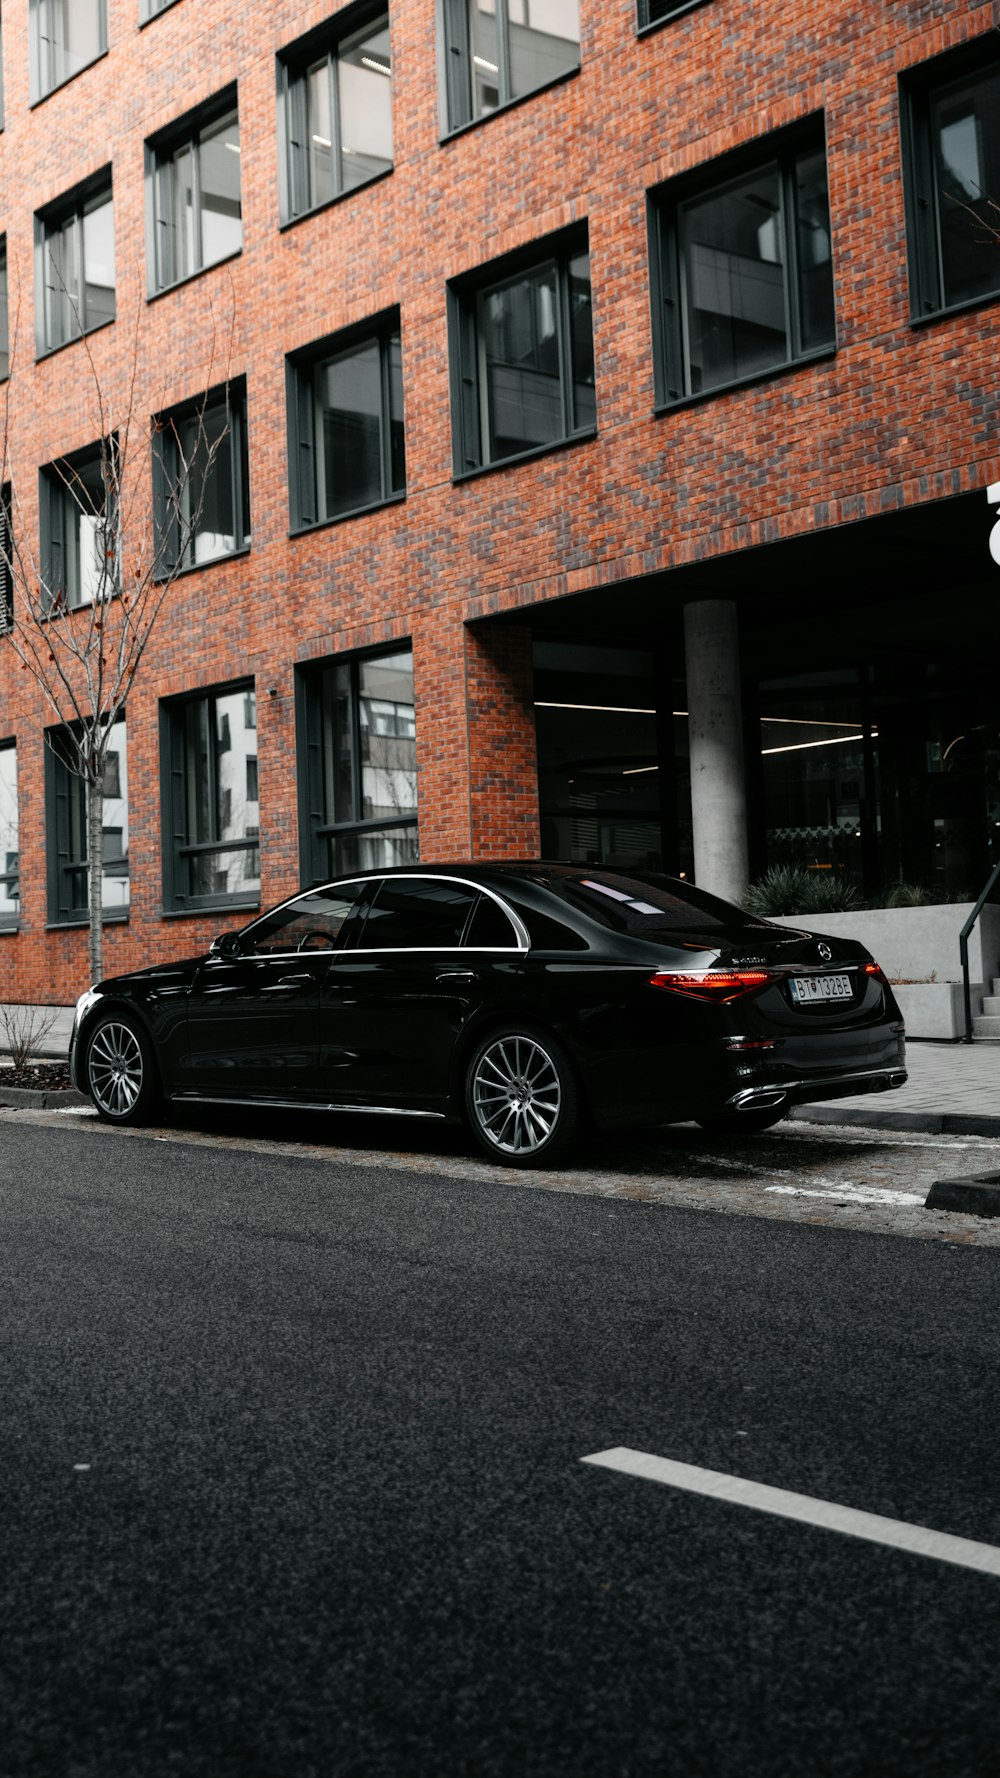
(877,972)
(714,984)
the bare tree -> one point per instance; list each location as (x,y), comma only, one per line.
(80,614)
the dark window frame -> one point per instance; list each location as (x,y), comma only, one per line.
(779,148)
(171,548)
(37,57)
(63,865)
(464,296)
(54,492)
(161,151)
(292,65)
(4,313)
(918,86)
(301,368)
(645,24)
(12,878)
(72,207)
(457,75)
(314,830)
(177,849)
(151,9)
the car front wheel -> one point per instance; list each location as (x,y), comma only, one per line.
(522,1099)
(121,1071)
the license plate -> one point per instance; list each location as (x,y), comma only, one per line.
(808,989)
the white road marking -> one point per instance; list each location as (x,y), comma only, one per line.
(854,1194)
(73,1110)
(963,1552)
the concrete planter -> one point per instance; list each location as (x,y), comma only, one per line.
(918,949)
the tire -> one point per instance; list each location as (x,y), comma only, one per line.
(121,1072)
(743,1123)
(522,1100)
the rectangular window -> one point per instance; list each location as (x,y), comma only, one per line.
(951,133)
(75,263)
(79,526)
(212,851)
(335,114)
(499,50)
(193,182)
(522,356)
(148,9)
(201,480)
(68,815)
(66,35)
(743,270)
(4,312)
(655,12)
(10,882)
(357,764)
(345,424)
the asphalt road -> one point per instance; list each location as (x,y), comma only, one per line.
(292,1481)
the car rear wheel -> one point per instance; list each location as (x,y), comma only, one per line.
(743,1123)
(522,1099)
(121,1071)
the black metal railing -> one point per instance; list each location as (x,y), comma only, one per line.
(963,947)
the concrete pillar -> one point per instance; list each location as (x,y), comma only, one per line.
(715,734)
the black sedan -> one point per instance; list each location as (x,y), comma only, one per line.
(524,998)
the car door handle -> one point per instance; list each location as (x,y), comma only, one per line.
(286,983)
(456,975)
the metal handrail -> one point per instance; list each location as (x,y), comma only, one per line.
(963,947)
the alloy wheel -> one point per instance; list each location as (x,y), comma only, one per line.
(516,1095)
(115,1069)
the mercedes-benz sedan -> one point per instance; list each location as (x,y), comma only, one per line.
(526,999)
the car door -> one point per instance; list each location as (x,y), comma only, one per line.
(253,1013)
(394,1004)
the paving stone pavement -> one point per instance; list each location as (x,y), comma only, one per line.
(953,1087)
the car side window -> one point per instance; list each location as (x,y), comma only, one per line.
(417,914)
(312,922)
(490,929)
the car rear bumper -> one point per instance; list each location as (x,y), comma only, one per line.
(798,1092)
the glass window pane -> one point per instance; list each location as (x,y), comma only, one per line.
(235,744)
(219,167)
(388,737)
(490,928)
(581,336)
(204,486)
(965,123)
(734,280)
(9,887)
(225,872)
(378,850)
(421,914)
(544,41)
(397,445)
(71,36)
(364,74)
(815,262)
(314,921)
(115,885)
(322,184)
(338,745)
(84,497)
(99,263)
(519,338)
(484,57)
(182,215)
(197,769)
(348,430)
(62,282)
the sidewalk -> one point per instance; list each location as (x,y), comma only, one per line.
(953,1087)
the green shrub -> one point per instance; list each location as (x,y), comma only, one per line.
(792,889)
(907,895)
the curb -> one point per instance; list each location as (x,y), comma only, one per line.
(977,1195)
(40,1098)
(932,1123)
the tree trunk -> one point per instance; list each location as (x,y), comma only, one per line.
(95,858)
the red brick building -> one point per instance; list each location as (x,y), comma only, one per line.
(610,408)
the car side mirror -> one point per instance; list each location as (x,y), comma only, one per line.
(227,944)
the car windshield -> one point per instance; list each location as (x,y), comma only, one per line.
(647,903)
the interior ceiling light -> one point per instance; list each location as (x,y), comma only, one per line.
(490,67)
(233,147)
(376,67)
(834,741)
(322,142)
